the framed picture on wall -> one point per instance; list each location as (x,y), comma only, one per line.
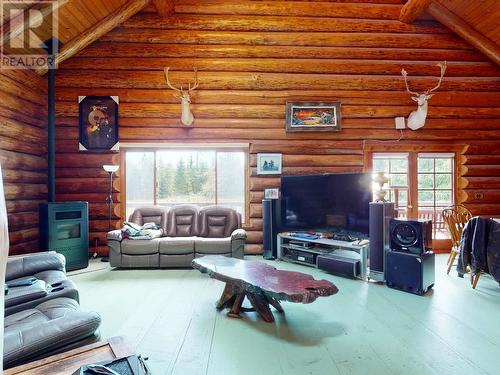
(313,116)
(269,163)
(98,122)
(273,193)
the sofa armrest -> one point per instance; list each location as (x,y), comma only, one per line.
(32,264)
(238,239)
(239,234)
(115,235)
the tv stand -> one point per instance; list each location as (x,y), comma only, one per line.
(306,250)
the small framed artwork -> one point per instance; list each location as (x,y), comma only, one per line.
(272,193)
(313,116)
(98,120)
(269,163)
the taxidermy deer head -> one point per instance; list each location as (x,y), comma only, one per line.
(187,117)
(416,119)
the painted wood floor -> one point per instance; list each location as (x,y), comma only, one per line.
(366,328)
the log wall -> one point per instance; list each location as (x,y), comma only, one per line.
(23,154)
(253,56)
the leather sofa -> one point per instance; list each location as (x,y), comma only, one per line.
(43,318)
(187,232)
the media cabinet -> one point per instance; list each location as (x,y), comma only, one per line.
(306,251)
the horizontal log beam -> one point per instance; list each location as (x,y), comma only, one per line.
(290,8)
(266,81)
(278,111)
(355,38)
(279,23)
(337,66)
(423,50)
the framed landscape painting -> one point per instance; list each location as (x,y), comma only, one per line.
(269,163)
(313,116)
(98,118)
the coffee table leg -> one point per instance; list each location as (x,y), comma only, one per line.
(227,297)
(235,310)
(261,305)
(274,303)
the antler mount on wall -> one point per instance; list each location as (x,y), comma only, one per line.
(416,119)
(187,117)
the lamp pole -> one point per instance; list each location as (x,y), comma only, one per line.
(110,169)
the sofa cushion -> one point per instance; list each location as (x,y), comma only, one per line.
(182,221)
(140,247)
(218,222)
(212,245)
(51,325)
(177,245)
(153,214)
(29,265)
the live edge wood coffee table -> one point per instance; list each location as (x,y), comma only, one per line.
(262,284)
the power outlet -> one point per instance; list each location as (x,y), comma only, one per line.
(400,122)
(478,196)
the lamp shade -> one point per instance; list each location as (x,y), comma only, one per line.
(110,168)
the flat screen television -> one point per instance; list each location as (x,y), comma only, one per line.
(327,202)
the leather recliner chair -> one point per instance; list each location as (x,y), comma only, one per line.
(49,270)
(188,232)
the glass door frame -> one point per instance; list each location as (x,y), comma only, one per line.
(413,149)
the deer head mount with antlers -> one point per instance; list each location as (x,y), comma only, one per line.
(187,117)
(416,119)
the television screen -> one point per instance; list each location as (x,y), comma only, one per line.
(328,202)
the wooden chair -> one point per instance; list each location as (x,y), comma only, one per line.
(455,218)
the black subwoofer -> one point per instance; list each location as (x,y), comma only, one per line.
(410,273)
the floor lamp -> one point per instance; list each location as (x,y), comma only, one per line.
(111,169)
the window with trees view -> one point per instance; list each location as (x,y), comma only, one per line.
(421,185)
(183,176)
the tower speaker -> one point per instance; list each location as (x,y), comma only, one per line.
(380,214)
(411,236)
(409,272)
(271,226)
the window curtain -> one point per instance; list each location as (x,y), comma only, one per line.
(4,252)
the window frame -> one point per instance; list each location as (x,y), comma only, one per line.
(216,147)
(413,150)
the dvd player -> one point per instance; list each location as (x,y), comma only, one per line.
(301,256)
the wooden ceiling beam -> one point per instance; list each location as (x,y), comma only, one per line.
(412,9)
(465,31)
(165,8)
(103,27)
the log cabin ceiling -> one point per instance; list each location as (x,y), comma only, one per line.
(474,21)
(80,21)
(482,15)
